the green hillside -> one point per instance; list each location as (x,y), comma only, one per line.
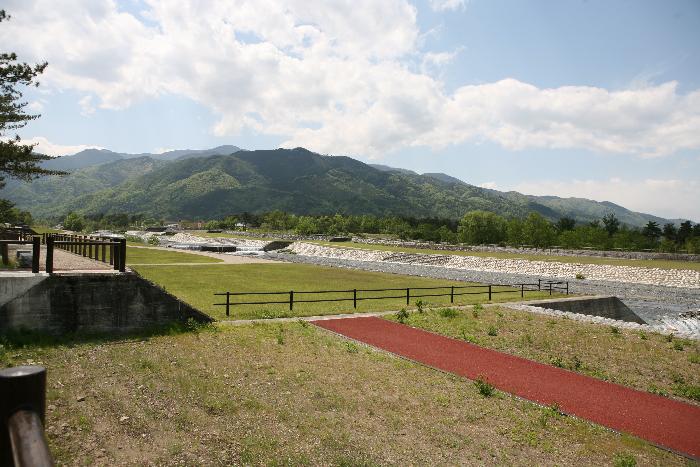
(292,180)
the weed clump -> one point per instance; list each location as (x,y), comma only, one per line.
(492,331)
(624,460)
(402,315)
(420,304)
(615,330)
(580,276)
(477,309)
(485,388)
(448,312)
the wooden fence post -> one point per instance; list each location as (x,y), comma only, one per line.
(354,298)
(228,302)
(452,294)
(291,300)
(122,255)
(489,292)
(4,252)
(49,255)
(36,251)
(408,296)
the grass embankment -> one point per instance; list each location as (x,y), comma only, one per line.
(641,263)
(645,361)
(294,394)
(144,255)
(197,284)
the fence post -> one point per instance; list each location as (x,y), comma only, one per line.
(122,255)
(354,298)
(4,252)
(104,252)
(36,251)
(408,296)
(116,255)
(539,284)
(49,254)
(291,300)
(567,287)
(111,252)
(522,290)
(550,288)
(22,411)
(489,292)
(85,246)
(452,294)
(228,302)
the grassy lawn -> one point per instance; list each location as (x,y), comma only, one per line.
(642,263)
(155,256)
(291,394)
(197,285)
(645,361)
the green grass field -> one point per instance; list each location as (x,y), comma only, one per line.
(197,284)
(136,255)
(292,394)
(649,263)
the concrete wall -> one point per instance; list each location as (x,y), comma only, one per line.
(607,307)
(88,303)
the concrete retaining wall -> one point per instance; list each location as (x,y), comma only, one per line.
(88,303)
(607,307)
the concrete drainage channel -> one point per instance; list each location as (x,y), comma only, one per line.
(612,311)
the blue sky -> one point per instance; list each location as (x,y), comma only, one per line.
(598,99)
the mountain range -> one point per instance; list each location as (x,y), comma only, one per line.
(212,183)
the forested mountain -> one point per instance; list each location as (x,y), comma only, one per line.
(196,185)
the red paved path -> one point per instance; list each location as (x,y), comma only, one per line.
(662,421)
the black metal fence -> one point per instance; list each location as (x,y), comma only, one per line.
(357,295)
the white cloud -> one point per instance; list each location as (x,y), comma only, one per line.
(444,5)
(669,198)
(44,146)
(86,106)
(336,78)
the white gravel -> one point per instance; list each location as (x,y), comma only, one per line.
(653,276)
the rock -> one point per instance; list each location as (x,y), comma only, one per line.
(80,398)
(123,418)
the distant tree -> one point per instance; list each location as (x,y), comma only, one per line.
(611,224)
(538,231)
(696,230)
(595,223)
(670,232)
(564,224)
(74,222)
(16,159)
(479,227)
(10,214)
(685,231)
(652,231)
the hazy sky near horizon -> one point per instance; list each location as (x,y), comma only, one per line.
(596,99)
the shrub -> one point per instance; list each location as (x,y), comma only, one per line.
(484,387)
(576,363)
(477,308)
(493,331)
(402,315)
(615,330)
(420,305)
(678,345)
